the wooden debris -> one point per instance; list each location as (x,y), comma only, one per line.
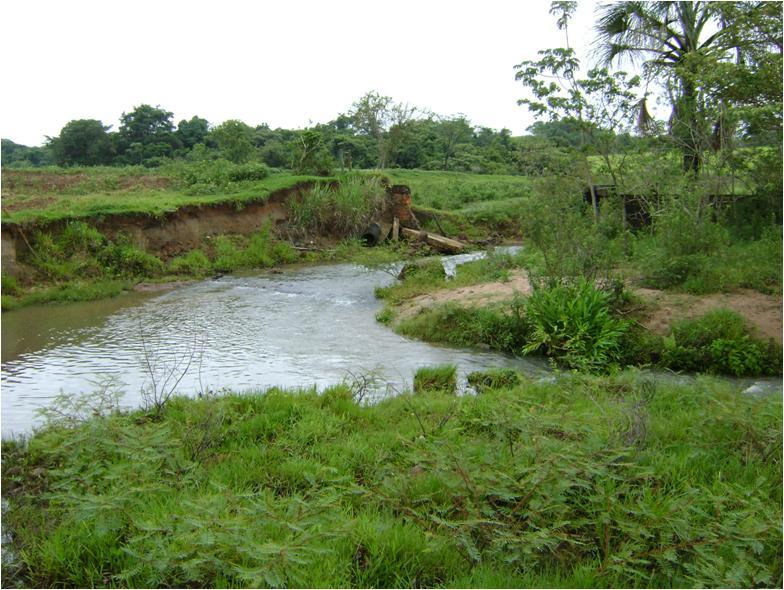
(438,242)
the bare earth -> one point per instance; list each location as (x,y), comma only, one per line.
(760,310)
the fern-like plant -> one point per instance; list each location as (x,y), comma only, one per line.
(573,324)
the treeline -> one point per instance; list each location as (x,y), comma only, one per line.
(375,132)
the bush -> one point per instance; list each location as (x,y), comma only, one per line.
(228,257)
(573,324)
(193,263)
(558,223)
(80,237)
(252,171)
(494,379)
(260,251)
(10,286)
(719,342)
(440,378)
(125,260)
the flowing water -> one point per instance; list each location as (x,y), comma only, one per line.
(306,326)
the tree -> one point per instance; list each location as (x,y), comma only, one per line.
(597,106)
(151,129)
(192,131)
(234,140)
(82,142)
(18,155)
(310,155)
(375,115)
(672,39)
(451,132)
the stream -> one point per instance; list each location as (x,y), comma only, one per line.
(305,326)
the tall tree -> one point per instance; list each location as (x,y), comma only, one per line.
(82,141)
(451,132)
(371,115)
(147,132)
(671,39)
(193,131)
(234,140)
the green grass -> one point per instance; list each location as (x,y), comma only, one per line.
(67,292)
(441,378)
(494,326)
(723,264)
(458,190)
(53,194)
(590,482)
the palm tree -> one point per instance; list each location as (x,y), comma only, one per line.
(670,39)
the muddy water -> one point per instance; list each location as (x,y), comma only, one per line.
(307,326)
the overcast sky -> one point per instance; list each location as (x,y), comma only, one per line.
(287,63)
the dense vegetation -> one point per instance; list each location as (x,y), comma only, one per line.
(585,483)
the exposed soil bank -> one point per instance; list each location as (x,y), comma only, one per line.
(760,310)
(169,235)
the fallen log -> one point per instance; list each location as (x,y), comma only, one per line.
(438,242)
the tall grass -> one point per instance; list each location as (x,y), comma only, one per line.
(343,209)
(591,482)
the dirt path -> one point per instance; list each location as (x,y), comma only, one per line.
(762,311)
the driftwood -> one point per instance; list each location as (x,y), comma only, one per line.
(436,241)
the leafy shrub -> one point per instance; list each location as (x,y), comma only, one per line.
(743,356)
(251,171)
(439,378)
(494,379)
(211,176)
(557,222)
(194,263)
(640,347)
(125,260)
(257,253)
(228,257)
(573,324)
(10,286)
(80,237)
(283,252)
(720,342)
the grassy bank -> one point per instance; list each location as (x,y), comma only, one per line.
(590,482)
(577,324)
(80,263)
(227,254)
(45,195)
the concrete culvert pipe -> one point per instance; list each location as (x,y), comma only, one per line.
(376,233)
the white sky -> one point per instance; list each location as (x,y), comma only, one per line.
(287,63)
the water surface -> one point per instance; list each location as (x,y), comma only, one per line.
(303,327)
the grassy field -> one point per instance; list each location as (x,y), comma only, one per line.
(56,193)
(589,482)
(50,194)
(455,191)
